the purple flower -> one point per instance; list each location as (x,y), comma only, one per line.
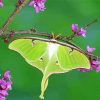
(6,75)
(5,85)
(74,27)
(9,83)
(98,69)
(78,31)
(96,65)
(82,32)
(90,50)
(38,5)
(2,98)
(95,62)
(1,4)
(4,93)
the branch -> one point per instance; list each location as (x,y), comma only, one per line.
(18,8)
(71,36)
(34,32)
(34,35)
(90,24)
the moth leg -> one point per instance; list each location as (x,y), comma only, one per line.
(71,50)
(33,42)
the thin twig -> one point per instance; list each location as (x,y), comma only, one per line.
(94,21)
(34,32)
(71,37)
(16,11)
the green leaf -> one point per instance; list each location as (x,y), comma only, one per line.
(49,58)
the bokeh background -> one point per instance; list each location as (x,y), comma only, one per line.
(57,18)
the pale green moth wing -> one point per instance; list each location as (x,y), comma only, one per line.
(28,50)
(72,59)
(50,58)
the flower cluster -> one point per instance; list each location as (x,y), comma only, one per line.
(95,63)
(38,5)
(78,31)
(5,85)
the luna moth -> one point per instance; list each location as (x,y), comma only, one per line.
(50,56)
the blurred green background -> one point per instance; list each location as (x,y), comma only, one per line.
(57,18)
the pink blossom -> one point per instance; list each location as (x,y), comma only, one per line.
(98,69)
(95,62)
(2,98)
(6,75)
(78,31)
(82,32)
(38,5)
(74,27)
(90,50)
(5,85)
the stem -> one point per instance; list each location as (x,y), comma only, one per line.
(90,24)
(34,32)
(71,36)
(16,11)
